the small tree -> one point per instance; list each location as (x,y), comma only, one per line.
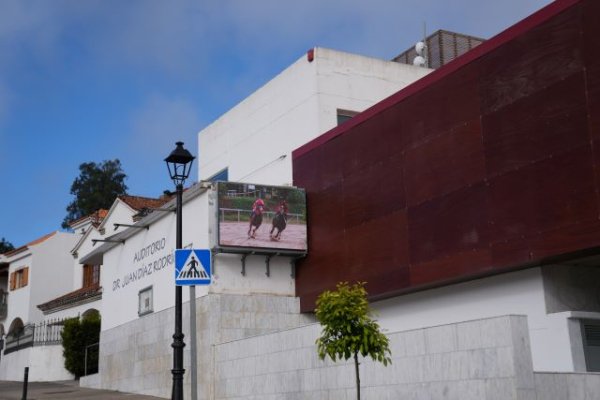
(76,336)
(348,328)
(5,246)
(96,187)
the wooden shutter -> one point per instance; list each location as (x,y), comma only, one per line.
(87,275)
(25,277)
(13,280)
(96,275)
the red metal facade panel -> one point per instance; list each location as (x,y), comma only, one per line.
(536,127)
(451,268)
(445,163)
(544,55)
(452,223)
(486,167)
(591,42)
(555,192)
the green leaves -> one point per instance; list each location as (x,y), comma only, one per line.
(347,325)
(5,246)
(348,329)
(76,335)
(96,187)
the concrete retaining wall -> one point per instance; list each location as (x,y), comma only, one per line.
(483,359)
(137,357)
(563,386)
(260,347)
(46,363)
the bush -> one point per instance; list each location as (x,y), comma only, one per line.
(76,336)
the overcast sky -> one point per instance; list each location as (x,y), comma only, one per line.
(85,80)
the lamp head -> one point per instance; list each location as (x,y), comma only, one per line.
(179,164)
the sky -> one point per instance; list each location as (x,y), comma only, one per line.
(95,80)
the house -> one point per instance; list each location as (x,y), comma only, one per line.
(43,282)
(36,272)
(86,292)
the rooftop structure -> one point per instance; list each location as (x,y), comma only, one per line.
(441,47)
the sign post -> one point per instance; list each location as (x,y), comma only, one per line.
(192,267)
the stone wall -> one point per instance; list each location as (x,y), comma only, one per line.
(137,356)
(46,363)
(563,386)
(482,359)
(260,347)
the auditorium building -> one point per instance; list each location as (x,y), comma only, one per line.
(467,200)
(465,196)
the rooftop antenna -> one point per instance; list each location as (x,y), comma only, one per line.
(421,60)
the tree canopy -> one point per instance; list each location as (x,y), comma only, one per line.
(5,246)
(96,187)
(348,329)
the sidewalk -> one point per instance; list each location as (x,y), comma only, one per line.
(10,390)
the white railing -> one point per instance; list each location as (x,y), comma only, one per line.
(239,215)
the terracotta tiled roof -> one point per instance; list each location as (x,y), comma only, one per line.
(139,203)
(72,297)
(32,243)
(97,217)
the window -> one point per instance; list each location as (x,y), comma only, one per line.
(220,176)
(345,115)
(590,331)
(145,301)
(91,275)
(3,308)
(19,278)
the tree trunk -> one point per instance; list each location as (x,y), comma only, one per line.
(357,375)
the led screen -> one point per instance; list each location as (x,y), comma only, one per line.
(262,217)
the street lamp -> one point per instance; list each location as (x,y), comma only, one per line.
(179,163)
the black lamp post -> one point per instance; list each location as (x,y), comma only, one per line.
(179,164)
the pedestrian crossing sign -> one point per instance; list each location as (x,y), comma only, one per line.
(192,267)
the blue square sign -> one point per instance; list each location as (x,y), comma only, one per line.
(192,267)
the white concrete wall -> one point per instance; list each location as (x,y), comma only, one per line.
(84,248)
(18,300)
(354,82)
(120,295)
(46,363)
(119,212)
(555,386)
(4,288)
(293,108)
(485,359)
(51,274)
(519,292)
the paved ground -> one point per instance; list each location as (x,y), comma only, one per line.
(62,390)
